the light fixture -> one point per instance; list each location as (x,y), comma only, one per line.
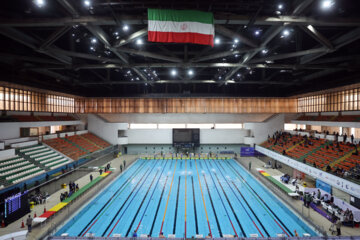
(327,4)
(285,33)
(139,41)
(93,40)
(191,72)
(125,28)
(236,40)
(92,48)
(217,40)
(280,6)
(39,3)
(173,72)
(116,33)
(264,51)
(257,32)
(87,3)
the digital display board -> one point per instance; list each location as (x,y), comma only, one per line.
(16,206)
(187,137)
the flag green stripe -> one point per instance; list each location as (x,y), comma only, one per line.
(180,15)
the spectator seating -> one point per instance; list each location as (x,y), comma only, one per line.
(84,143)
(66,148)
(16,169)
(343,118)
(95,139)
(45,156)
(29,118)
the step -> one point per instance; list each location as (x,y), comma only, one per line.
(14,171)
(46,157)
(23,150)
(22,173)
(41,154)
(51,159)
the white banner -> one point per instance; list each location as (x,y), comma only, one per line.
(337,182)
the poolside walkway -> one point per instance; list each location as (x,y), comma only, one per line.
(308,214)
(39,230)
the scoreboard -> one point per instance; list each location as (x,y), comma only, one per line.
(15,207)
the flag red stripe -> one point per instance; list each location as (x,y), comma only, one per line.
(197,38)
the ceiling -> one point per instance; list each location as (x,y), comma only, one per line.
(90,48)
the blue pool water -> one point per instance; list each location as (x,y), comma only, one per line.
(185,198)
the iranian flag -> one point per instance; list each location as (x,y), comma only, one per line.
(180,26)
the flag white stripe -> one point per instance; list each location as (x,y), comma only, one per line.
(180,27)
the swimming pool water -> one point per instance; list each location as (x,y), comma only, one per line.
(185,198)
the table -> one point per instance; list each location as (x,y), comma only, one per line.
(294,195)
(39,220)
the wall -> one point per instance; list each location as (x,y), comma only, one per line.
(260,131)
(168,148)
(107,131)
(7,153)
(10,130)
(207,136)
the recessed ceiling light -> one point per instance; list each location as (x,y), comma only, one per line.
(264,51)
(191,72)
(327,4)
(257,32)
(173,72)
(236,40)
(286,33)
(39,3)
(280,6)
(94,40)
(217,40)
(125,28)
(87,3)
(139,41)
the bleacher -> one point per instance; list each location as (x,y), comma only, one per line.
(84,143)
(66,148)
(77,146)
(45,156)
(15,169)
(319,153)
(342,118)
(29,118)
(95,139)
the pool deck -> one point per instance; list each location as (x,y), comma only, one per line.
(308,213)
(60,218)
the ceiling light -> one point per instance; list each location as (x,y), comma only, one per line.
(39,3)
(264,51)
(173,72)
(92,48)
(327,4)
(280,6)
(217,41)
(257,32)
(277,12)
(93,40)
(87,3)
(286,33)
(236,40)
(191,72)
(116,33)
(125,28)
(238,75)
(139,41)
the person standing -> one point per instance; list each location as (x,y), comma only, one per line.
(249,165)
(91,177)
(124,164)
(352,138)
(338,226)
(121,166)
(29,223)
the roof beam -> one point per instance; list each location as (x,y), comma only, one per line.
(30,42)
(148,54)
(312,32)
(290,55)
(231,34)
(55,36)
(219,19)
(192,81)
(338,43)
(199,65)
(139,34)
(222,54)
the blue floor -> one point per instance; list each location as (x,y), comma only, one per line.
(185,198)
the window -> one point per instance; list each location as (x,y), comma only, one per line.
(171,125)
(143,126)
(228,126)
(200,125)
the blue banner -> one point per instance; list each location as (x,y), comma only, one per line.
(324,186)
(247,152)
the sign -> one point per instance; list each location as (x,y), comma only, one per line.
(247,151)
(335,181)
(324,186)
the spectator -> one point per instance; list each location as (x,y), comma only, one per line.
(249,165)
(29,222)
(91,177)
(318,194)
(124,164)
(352,138)
(121,166)
(100,171)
